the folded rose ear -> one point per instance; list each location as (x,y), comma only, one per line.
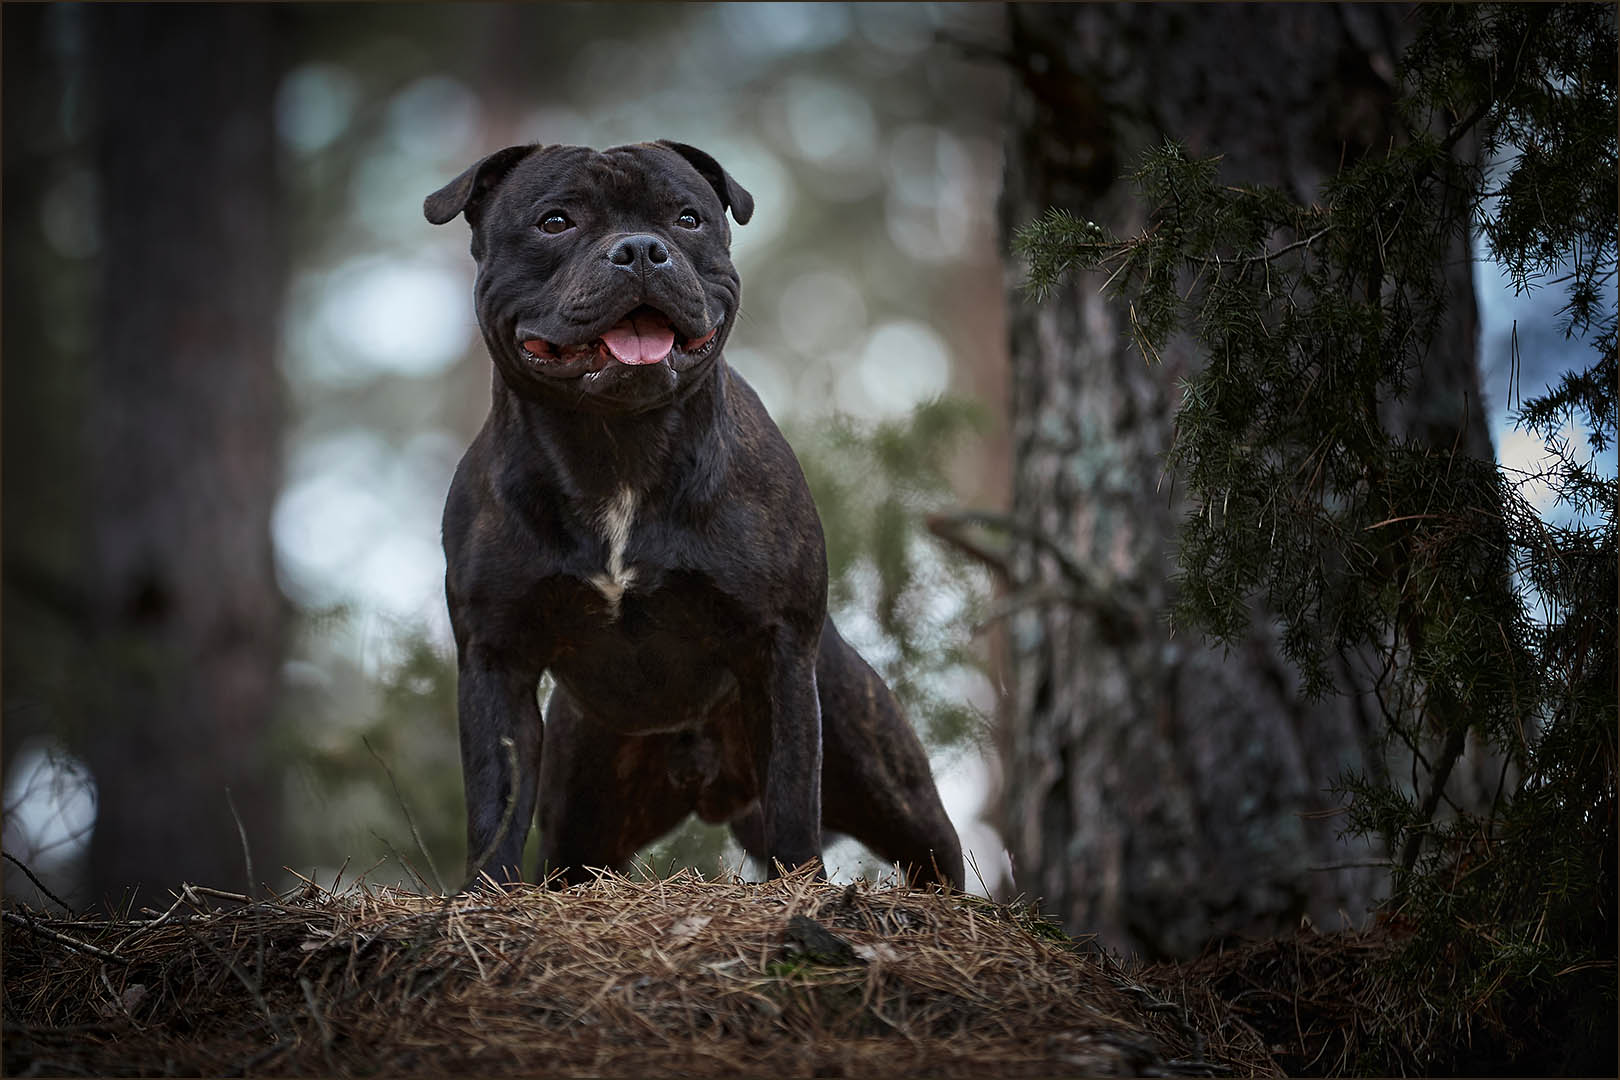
(465,194)
(733,195)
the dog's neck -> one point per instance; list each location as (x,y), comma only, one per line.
(597,458)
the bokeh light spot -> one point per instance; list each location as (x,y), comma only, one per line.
(435,117)
(820,309)
(397,318)
(903,364)
(314,105)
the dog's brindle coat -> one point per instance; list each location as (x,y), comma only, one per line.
(631,520)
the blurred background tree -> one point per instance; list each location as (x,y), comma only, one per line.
(1483,623)
(1175,791)
(157,577)
(1486,621)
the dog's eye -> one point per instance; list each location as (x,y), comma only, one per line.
(555,222)
(688,219)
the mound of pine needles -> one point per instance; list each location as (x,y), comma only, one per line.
(681,976)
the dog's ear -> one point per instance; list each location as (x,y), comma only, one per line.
(466,193)
(733,195)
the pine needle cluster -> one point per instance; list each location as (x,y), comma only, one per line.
(1490,623)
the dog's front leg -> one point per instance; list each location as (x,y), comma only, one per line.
(500,727)
(786,736)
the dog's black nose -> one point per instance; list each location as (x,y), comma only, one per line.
(639,252)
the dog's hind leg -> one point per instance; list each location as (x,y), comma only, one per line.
(876,785)
(748,829)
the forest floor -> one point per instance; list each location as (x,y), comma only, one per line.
(682,976)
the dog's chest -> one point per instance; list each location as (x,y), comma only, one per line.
(614,520)
(643,642)
(642,592)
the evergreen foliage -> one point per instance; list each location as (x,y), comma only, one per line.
(1490,622)
(906,607)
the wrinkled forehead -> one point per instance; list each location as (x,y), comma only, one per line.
(579,173)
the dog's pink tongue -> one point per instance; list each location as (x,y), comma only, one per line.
(644,338)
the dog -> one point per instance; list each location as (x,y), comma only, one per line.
(631,520)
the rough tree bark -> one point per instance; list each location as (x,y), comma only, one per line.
(1158,791)
(184,446)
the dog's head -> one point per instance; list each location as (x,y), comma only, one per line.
(604,277)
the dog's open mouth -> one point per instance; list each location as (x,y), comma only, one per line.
(644,336)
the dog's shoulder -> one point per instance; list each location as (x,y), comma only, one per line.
(491,503)
(771,462)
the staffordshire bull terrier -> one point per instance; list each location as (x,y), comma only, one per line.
(631,520)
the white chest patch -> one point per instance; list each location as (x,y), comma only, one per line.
(614,519)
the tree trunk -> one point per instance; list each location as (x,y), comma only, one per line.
(43,350)
(184,446)
(1160,792)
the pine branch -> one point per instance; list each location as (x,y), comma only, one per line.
(1264,256)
